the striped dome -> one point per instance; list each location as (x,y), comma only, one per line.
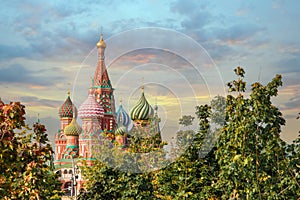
(142,110)
(66,110)
(121,130)
(73,128)
(123,118)
(90,107)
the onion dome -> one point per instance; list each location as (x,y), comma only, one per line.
(67,109)
(101,43)
(73,128)
(90,107)
(122,116)
(121,130)
(142,110)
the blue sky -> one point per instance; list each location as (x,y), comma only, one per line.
(43,45)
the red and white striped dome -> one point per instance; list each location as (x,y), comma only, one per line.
(90,108)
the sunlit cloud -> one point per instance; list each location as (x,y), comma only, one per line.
(44,46)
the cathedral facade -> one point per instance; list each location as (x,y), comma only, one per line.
(74,143)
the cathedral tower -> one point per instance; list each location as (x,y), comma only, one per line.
(91,113)
(103,89)
(66,113)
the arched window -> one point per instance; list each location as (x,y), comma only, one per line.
(68,188)
(65,171)
(70,171)
(58,172)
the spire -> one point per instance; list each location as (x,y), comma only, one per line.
(143,87)
(101,76)
(155,107)
(69,86)
(38,118)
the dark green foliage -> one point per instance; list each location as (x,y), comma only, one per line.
(190,176)
(250,153)
(186,120)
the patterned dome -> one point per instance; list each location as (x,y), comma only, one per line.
(90,107)
(66,110)
(73,128)
(121,130)
(122,116)
(142,110)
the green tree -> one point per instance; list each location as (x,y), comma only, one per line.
(25,169)
(119,174)
(294,162)
(250,153)
(186,120)
(190,176)
(218,107)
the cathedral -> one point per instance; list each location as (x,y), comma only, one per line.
(99,117)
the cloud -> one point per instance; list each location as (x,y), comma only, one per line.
(238,33)
(19,74)
(13,51)
(35,101)
(148,56)
(197,21)
(293,104)
(188,7)
(52,125)
(289,50)
(16,73)
(288,65)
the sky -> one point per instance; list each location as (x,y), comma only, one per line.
(184,52)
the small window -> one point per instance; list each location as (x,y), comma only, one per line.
(65,171)
(70,171)
(58,172)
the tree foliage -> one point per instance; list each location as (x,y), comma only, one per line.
(25,170)
(119,174)
(186,120)
(249,160)
(251,155)
(190,176)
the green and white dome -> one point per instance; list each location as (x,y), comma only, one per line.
(142,110)
(121,130)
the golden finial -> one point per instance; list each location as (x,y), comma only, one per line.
(101,43)
(101,35)
(143,87)
(69,86)
(121,100)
